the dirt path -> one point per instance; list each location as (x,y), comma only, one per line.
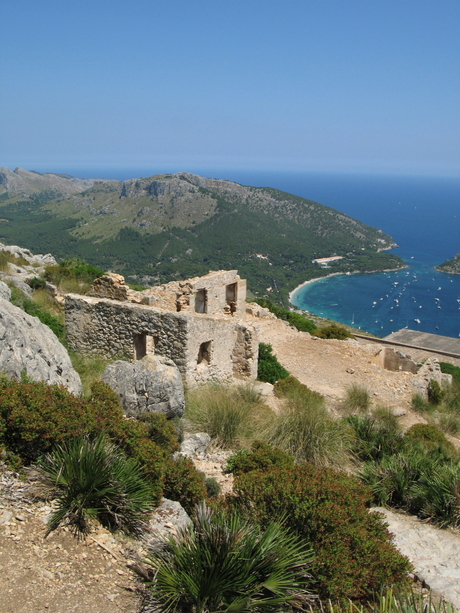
(330,366)
(59,574)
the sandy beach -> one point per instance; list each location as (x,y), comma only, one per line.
(299,287)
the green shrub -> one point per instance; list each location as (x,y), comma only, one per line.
(333,331)
(36,283)
(73,275)
(225,413)
(225,563)
(34,417)
(450,369)
(304,429)
(260,457)
(297,320)
(269,369)
(431,438)
(435,393)
(290,386)
(436,494)
(357,399)
(354,556)
(184,483)
(92,479)
(162,432)
(212,487)
(90,369)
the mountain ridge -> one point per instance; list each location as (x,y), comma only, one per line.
(179,225)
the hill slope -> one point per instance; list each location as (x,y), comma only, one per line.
(176,226)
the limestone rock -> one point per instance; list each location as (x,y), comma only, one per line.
(196,444)
(28,345)
(168,518)
(5,291)
(151,385)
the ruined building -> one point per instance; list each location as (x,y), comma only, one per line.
(198,323)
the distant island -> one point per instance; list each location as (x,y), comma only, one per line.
(175,226)
(450,266)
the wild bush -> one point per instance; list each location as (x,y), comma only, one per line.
(268,368)
(450,369)
(225,563)
(73,275)
(225,413)
(354,556)
(431,438)
(290,386)
(260,457)
(297,320)
(184,483)
(34,417)
(333,331)
(91,479)
(435,392)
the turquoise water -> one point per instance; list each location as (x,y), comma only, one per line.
(421,213)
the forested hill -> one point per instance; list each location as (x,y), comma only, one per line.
(169,226)
(451,266)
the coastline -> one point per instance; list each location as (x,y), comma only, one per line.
(335,274)
(299,287)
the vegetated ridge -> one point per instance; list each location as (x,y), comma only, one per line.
(177,226)
(450,266)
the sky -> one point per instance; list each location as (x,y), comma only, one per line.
(362,86)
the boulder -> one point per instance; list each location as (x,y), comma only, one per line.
(196,444)
(28,346)
(151,385)
(167,519)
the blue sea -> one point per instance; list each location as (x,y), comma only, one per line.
(422,214)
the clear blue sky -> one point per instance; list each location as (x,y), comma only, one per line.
(329,85)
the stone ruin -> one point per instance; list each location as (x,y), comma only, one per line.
(198,323)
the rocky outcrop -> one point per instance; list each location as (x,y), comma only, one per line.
(23,265)
(150,385)
(5,291)
(167,519)
(28,346)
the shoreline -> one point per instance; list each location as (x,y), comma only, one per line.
(335,274)
(299,287)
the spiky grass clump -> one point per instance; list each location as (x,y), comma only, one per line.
(226,563)
(305,429)
(93,480)
(357,399)
(395,601)
(230,415)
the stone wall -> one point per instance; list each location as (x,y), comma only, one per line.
(204,347)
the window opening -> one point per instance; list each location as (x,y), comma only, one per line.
(201,301)
(230,297)
(204,353)
(144,344)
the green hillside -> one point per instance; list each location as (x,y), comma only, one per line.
(451,266)
(176,226)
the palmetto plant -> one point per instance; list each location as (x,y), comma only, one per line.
(223,563)
(93,480)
